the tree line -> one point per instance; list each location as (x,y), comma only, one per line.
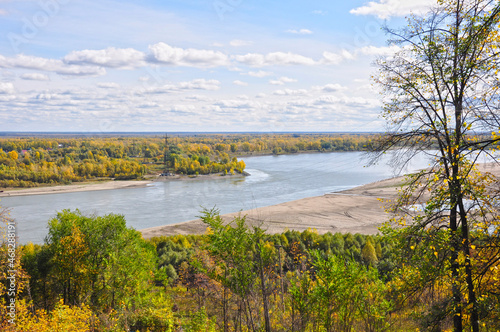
(33,161)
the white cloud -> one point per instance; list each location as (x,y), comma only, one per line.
(3,12)
(35,77)
(52,96)
(234,103)
(183,109)
(259,73)
(51,65)
(148,104)
(336,58)
(252,59)
(385,9)
(197,98)
(108,85)
(300,32)
(240,83)
(322,100)
(329,88)
(282,80)
(176,56)
(196,84)
(238,43)
(126,58)
(80,71)
(165,106)
(200,84)
(361,102)
(290,92)
(275,58)
(6,88)
(7,97)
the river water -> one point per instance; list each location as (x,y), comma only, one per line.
(273,180)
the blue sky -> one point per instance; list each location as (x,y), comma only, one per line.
(192,65)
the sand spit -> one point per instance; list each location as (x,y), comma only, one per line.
(357,210)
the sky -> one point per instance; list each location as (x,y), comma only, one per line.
(194,65)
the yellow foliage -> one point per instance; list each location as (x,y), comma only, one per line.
(62,319)
(13,155)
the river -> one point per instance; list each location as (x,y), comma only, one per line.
(273,180)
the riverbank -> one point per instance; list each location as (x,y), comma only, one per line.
(71,188)
(104,185)
(357,210)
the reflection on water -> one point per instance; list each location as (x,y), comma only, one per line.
(273,180)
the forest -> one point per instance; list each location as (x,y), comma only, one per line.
(435,265)
(93,273)
(35,161)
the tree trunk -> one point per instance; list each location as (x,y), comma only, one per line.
(455,248)
(224,308)
(474,316)
(264,294)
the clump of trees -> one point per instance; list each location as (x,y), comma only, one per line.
(30,168)
(91,274)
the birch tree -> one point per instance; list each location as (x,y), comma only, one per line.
(440,96)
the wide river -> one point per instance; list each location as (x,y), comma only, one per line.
(273,180)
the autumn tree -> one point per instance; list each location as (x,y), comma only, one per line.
(440,96)
(13,278)
(346,292)
(93,258)
(13,155)
(244,262)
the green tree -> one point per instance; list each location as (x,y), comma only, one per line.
(94,257)
(243,257)
(440,95)
(346,292)
(368,254)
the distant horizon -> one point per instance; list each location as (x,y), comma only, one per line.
(145,133)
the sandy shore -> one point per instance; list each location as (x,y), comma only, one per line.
(104,185)
(357,210)
(64,189)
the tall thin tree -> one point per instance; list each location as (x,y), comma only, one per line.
(440,97)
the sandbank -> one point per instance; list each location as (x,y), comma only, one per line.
(64,189)
(104,185)
(358,210)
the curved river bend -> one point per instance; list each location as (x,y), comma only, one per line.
(273,180)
